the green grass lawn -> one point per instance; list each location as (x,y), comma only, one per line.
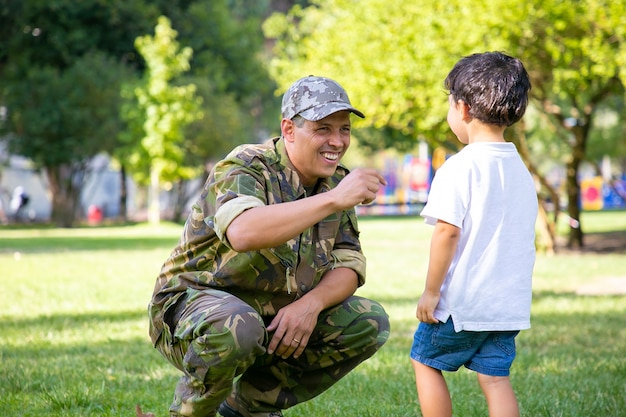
(73,327)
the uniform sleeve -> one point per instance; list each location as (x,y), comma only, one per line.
(230,210)
(347,251)
(235,188)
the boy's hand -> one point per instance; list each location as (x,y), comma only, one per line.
(426,307)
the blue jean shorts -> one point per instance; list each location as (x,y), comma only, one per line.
(439,346)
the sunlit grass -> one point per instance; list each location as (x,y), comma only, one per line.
(73,327)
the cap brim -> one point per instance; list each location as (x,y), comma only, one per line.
(318,112)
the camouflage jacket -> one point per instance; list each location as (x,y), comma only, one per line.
(268,279)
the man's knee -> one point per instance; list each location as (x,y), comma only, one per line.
(366,323)
(374,314)
(214,333)
(233,334)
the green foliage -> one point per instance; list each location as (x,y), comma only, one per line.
(61,67)
(608,136)
(76,344)
(393,58)
(76,109)
(61,119)
(572,51)
(230,52)
(226,48)
(55,33)
(225,124)
(43,43)
(168,108)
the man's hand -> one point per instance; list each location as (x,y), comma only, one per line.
(426,307)
(274,224)
(359,187)
(294,323)
(292,328)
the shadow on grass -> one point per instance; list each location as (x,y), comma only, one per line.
(570,363)
(572,296)
(70,243)
(537,296)
(61,320)
(601,243)
(96,379)
(96,364)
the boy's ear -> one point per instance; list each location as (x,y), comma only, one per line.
(464,110)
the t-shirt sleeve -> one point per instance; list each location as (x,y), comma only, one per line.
(448,196)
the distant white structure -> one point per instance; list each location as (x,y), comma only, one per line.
(101,190)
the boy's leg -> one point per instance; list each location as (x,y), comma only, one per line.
(438,347)
(432,391)
(499,394)
(345,336)
(492,363)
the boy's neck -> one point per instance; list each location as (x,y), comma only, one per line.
(483,132)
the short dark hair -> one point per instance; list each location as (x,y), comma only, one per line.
(298,120)
(494,85)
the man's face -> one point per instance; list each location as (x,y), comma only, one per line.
(316,148)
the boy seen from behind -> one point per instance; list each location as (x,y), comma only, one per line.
(483,205)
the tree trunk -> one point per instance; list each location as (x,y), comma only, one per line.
(546,236)
(179,197)
(575,239)
(123,215)
(546,225)
(65,194)
(572,187)
(154,205)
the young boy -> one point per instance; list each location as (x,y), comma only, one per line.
(483,205)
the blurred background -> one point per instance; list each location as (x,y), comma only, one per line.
(114,111)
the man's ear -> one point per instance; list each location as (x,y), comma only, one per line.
(287,128)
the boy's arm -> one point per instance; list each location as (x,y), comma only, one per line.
(442,248)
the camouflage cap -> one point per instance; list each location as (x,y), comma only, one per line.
(314,98)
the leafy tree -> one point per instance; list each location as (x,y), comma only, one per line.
(51,36)
(227,66)
(574,52)
(75,110)
(36,32)
(61,65)
(228,46)
(168,109)
(224,124)
(575,57)
(238,103)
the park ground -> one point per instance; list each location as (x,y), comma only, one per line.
(600,243)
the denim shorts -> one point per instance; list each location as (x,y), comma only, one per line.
(439,346)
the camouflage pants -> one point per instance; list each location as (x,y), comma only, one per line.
(219,337)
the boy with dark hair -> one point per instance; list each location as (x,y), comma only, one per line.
(483,205)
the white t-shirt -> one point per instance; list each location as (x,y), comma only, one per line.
(486,191)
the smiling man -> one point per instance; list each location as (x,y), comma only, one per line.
(261,285)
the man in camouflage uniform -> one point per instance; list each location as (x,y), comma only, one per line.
(256,304)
